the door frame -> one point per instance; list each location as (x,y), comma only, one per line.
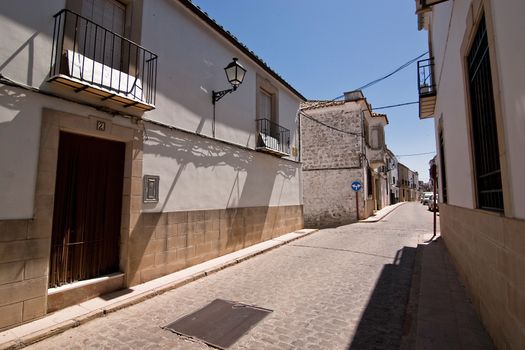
(100,126)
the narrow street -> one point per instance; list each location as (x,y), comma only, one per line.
(336,289)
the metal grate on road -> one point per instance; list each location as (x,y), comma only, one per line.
(220,323)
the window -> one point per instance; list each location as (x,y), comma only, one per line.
(393,180)
(369,181)
(376,137)
(265,105)
(97,44)
(366,134)
(270,135)
(487,167)
(267,100)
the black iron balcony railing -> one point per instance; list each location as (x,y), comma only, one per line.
(89,57)
(426,88)
(425,77)
(272,138)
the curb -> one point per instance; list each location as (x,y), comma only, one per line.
(47,332)
(372,219)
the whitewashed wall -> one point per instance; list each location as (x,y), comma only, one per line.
(192,58)
(510,50)
(451,102)
(198,173)
(190,66)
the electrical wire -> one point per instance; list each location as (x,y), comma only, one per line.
(329,126)
(414,154)
(397,105)
(403,66)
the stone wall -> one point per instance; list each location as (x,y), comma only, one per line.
(331,161)
(329,201)
(322,147)
(162,243)
(24,260)
(489,252)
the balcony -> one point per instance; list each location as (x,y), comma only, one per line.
(272,138)
(90,58)
(426,87)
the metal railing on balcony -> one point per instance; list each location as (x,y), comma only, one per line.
(425,77)
(89,57)
(272,138)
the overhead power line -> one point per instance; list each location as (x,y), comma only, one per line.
(403,66)
(397,105)
(329,126)
(414,154)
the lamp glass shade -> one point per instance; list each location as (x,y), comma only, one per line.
(235,73)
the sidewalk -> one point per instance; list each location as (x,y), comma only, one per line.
(380,214)
(73,316)
(439,314)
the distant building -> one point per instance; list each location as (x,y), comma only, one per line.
(392,177)
(473,86)
(341,142)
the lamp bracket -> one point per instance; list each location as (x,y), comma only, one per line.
(217,95)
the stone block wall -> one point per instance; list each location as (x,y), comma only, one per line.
(331,161)
(24,260)
(163,243)
(329,200)
(489,252)
(322,147)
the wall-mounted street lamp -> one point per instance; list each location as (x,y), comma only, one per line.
(235,74)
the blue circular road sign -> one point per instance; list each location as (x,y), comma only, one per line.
(356,185)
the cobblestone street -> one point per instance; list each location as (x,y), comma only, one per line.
(336,289)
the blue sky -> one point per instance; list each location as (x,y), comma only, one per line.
(324,48)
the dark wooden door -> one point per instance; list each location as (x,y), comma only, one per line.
(87,209)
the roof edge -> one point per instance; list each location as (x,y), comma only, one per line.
(228,36)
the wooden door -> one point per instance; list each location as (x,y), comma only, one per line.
(87,209)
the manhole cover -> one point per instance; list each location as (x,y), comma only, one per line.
(220,323)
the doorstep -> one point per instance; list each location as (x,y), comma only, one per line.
(76,315)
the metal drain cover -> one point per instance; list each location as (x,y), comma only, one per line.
(220,323)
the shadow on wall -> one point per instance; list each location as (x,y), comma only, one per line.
(165,241)
(381,325)
(13,99)
(30,46)
(29,38)
(201,152)
(19,135)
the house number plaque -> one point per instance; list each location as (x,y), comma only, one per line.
(101,126)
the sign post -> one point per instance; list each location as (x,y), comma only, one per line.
(356,187)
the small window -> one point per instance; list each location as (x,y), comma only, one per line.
(366,132)
(369,181)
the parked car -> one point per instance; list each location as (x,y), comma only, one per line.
(426,196)
(431,205)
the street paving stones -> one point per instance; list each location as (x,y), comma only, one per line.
(339,288)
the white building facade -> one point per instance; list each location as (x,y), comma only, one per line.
(115,159)
(473,88)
